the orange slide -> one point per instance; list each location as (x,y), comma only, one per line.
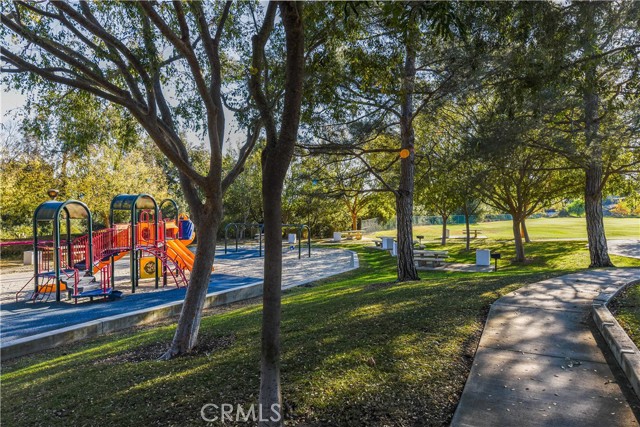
(108,261)
(178,252)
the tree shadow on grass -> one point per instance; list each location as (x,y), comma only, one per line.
(353,354)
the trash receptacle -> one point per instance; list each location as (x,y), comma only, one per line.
(387,243)
(483,257)
(292,239)
(337,236)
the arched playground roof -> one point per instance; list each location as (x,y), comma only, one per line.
(50,210)
(170,202)
(124,202)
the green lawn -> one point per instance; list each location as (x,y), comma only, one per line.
(539,229)
(627,311)
(358,350)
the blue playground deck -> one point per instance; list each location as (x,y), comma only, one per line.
(23,318)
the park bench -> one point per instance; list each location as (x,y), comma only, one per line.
(435,258)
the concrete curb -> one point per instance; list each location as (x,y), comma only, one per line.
(94,328)
(624,350)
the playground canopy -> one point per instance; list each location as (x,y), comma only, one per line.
(52,211)
(169,202)
(134,203)
(130,202)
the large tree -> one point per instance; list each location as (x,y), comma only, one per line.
(281,130)
(608,45)
(514,177)
(388,65)
(163,64)
(577,68)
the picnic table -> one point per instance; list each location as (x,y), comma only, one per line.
(351,234)
(475,232)
(435,258)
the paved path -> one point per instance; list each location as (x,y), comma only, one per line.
(539,363)
(233,270)
(628,248)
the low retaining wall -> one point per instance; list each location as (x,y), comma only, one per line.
(623,348)
(94,328)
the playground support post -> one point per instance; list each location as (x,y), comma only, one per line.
(130,202)
(69,247)
(56,256)
(132,253)
(36,258)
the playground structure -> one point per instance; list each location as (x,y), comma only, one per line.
(241,227)
(71,265)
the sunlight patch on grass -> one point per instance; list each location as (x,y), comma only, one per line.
(539,228)
(172,376)
(357,349)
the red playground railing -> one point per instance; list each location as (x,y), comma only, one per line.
(105,244)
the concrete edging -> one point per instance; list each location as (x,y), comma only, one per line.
(94,328)
(623,348)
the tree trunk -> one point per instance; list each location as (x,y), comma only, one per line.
(354,221)
(276,158)
(466,223)
(404,195)
(404,210)
(595,179)
(444,230)
(525,232)
(598,250)
(186,334)
(270,393)
(520,257)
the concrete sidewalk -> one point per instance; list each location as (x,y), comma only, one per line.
(539,362)
(628,248)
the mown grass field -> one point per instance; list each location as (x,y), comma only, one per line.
(358,350)
(539,229)
(627,312)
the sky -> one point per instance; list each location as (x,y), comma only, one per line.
(11,100)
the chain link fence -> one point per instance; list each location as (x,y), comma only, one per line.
(376,224)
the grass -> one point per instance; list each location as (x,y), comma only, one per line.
(627,311)
(539,229)
(358,350)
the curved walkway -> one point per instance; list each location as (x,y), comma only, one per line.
(539,362)
(628,248)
